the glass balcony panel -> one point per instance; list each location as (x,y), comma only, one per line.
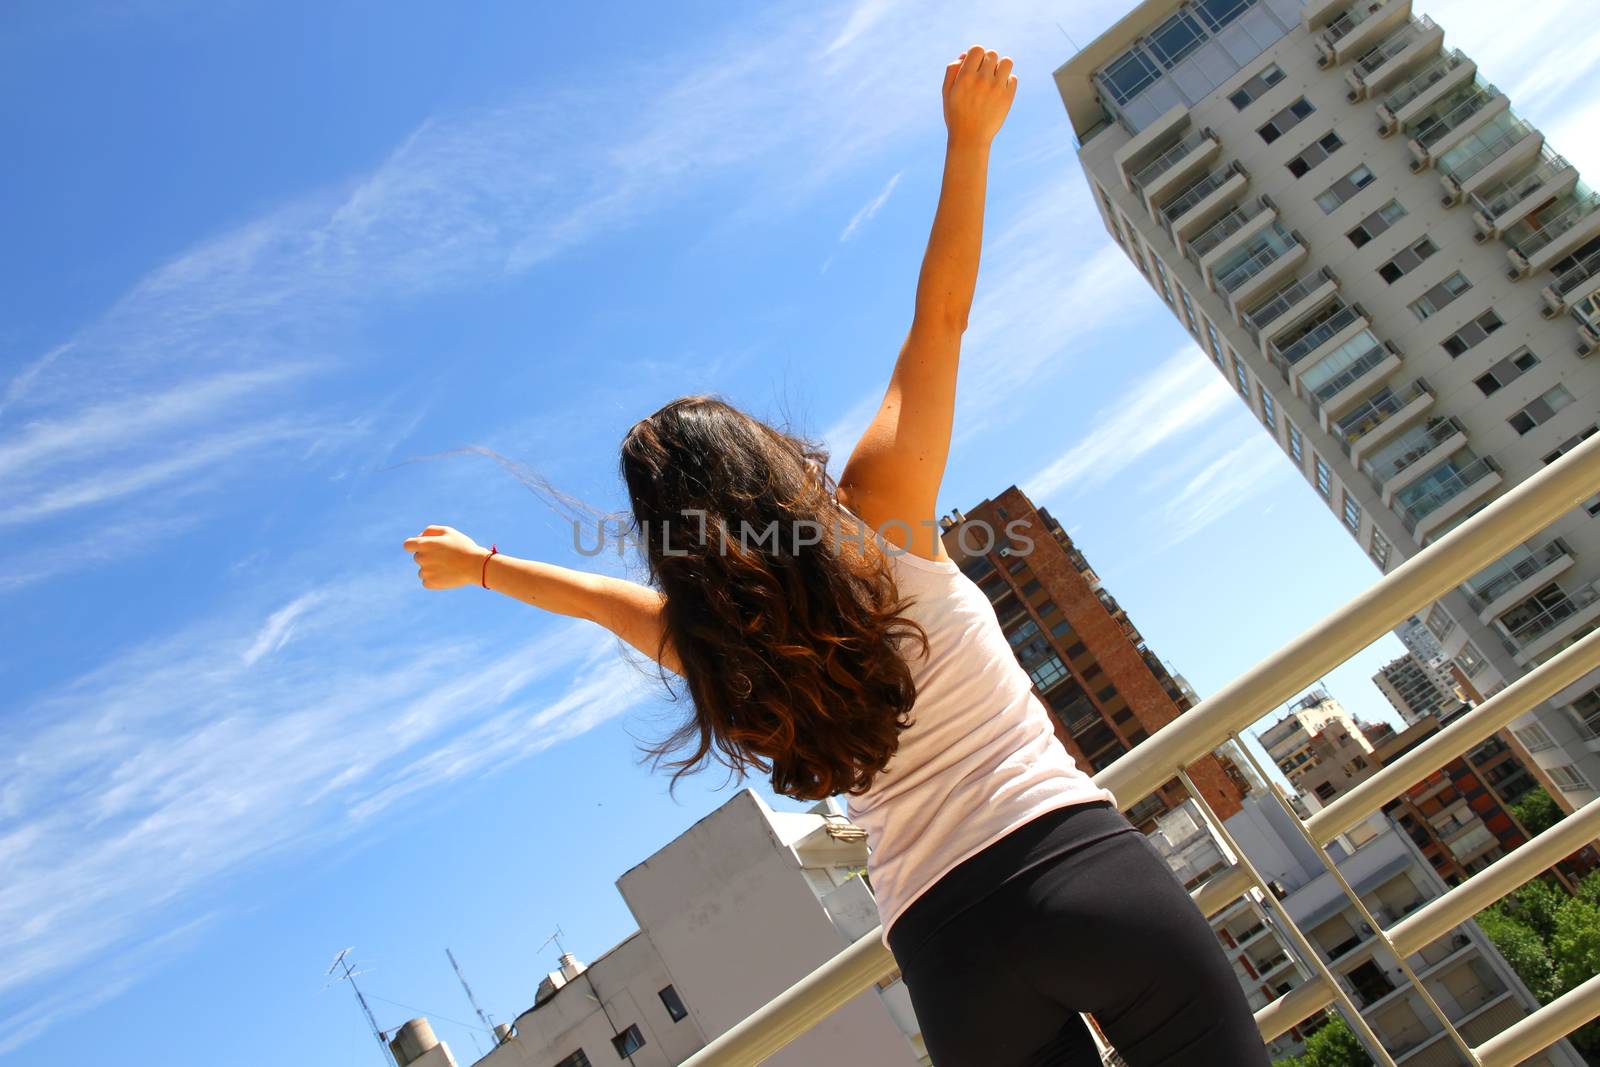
(1496,199)
(1302,343)
(1440,485)
(1196,193)
(1339,359)
(1578,273)
(1482,147)
(1255,257)
(1422,80)
(1536,232)
(1553,616)
(1515,567)
(1159,166)
(1409,448)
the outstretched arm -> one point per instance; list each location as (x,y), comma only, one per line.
(447,558)
(892,478)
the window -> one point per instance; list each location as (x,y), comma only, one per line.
(1216,342)
(1321,149)
(1251,90)
(1047,672)
(1269,413)
(977,568)
(1568,778)
(1017,566)
(1061,629)
(577,1059)
(1239,374)
(1032,587)
(1336,194)
(1472,333)
(1188,311)
(1076,649)
(1285,120)
(1161,274)
(673,1003)
(1506,371)
(1407,261)
(1375,223)
(1541,409)
(1129,75)
(1325,791)
(1440,295)
(1379,550)
(1352,511)
(1107,694)
(1296,444)
(1324,478)
(628,1042)
(1534,738)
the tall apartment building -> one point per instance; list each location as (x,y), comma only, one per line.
(1105,689)
(1395,272)
(1319,746)
(1415,689)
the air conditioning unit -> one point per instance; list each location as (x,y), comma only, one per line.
(1452,191)
(1485,225)
(1387,123)
(1519,265)
(1554,303)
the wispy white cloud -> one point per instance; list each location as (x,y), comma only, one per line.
(1181,394)
(1250,469)
(870,208)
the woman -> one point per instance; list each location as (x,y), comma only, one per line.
(1013,893)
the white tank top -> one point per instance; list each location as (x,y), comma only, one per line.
(980,758)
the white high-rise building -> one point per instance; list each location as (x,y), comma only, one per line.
(1395,272)
(1415,689)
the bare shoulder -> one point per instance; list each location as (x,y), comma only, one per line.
(919,539)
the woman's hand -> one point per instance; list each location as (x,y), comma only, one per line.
(446,557)
(978,90)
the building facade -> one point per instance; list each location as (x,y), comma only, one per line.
(1415,689)
(1396,274)
(1106,690)
(1319,746)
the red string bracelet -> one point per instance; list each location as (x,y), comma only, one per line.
(484,580)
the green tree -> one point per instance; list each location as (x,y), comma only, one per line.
(1522,947)
(1335,1045)
(1535,906)
(1537,811)
(1575,951)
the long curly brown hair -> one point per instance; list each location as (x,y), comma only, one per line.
(793,652)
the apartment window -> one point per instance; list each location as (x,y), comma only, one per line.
(1440,295)
(1032,587)
(1324,478)
(1076,649)
(1296,444)
(577,1059)
(1239,374)
(1541,409)
(1319,150)
(1130,75)
(628,1042)
(1107,694)
(1161,273)
(1216,342)
(1568,778)
(1251,90)
(1379,550)
(1269,413)
(673,1003)
(1439,622)
(1017,566)
(1506,371)
(1061,629)
(1336,194)
(1175,38)
(1352,511)
(1375,223)
(1534,738)
(1407,261)
(1285,120)
(1188,311)
(1047,672)
(1472,333)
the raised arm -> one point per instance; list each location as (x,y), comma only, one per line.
(892,477)
(447,558)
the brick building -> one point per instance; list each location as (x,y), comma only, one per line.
(1106,690)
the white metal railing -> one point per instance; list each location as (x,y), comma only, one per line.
(1349,376)
(1417,447)
(1235,220)
(1393,45)
(1423,80)
(1428,130)
(1318,334)
(1517,516)
(1259,261)
(1500,197)
(1159,165)
(1539,237)
(1284,299)
(1197,192)
(1578,273)
(1445,490)
(1370,414)
(1570,604)
(1485,153)
(1516,567)
(1340,27)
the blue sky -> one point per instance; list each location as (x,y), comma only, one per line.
(271,272)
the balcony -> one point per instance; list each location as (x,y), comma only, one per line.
(1340,380)
(1586,313)
(1400,463)
(1237,222)
(1356,31)
(1560,620)
(1444,492)
(1396,54)
(1573,284)
(1171,168)
(1280,310)
(1380,417)
(1445,71)
(1482,156)
(1505,200)
(1516,576)
(1550,233)
(1203,201)
(1455,116)
(1323,329)
(1250,270)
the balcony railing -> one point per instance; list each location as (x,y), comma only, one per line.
(1516,517)
(1515,568)
(1423,80)
(1220,231)
(1446,489)
(1486,153)
(1371,414)
(1317,335)
(1284,299)
(1420,447)
(1532,239)
(1497,199)
(1340,28)
(1159,165)
(1559,612)
(1578,273)
(1198,192)
(1393,45)
(1430,129)
(1260,261)
(1350,375)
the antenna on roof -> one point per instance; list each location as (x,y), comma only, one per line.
(341,963)
(1068,36)
(483,1017)
(556,937)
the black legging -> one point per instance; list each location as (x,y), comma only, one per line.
(1075,912)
